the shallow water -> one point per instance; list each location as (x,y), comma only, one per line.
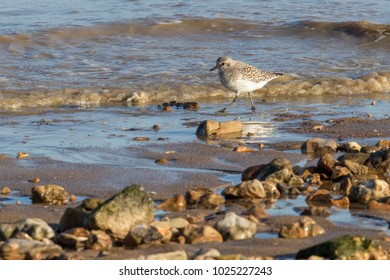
(146,52)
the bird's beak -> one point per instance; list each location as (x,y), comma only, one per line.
(214,68)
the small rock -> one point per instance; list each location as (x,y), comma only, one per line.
(369,149)
(5,191)
(319,196)
(326,164)
(72,198)
(383,144)
(191,106)
(156,127)
(23,249)
(22,155)
(142,234)
(119,214)
(318,146)
(316,211)
(139,138)
(167,223)
(36,228)
(339,172)
(50,194)
(36,180)
(276,165)
(305,227)
(243,149)
(234,227)
(167,108)
(75,238)
(366,191)
(247,189)
(346,248)
(74,217)
(195,234)
(341,202)
(207,254)
(355,167)
(210,201)
(350,147)
(377,206)
(175,203)
(177,255)
(101,241)
(256,211)
(212,128)
(162,161)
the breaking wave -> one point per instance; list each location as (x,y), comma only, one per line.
(153,94)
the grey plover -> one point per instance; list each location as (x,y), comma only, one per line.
(241,77)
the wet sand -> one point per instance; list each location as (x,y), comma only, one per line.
(190,165)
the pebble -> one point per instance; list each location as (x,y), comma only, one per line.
(175,203)
(243,149)
(23,155)
(5,190)
(139,138)
(72,198)
(161,161)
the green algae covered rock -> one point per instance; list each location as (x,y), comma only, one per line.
(120,213)
(346,248)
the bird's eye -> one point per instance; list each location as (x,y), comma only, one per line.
(223,63)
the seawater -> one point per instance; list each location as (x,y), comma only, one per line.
(89,53)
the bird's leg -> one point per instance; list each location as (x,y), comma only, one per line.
(234,100)
(253,105)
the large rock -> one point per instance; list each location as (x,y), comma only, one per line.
(23,249)
(369,190)
(318,146)
(248,189)
(73,217)
(119,214)
(305,227)
(234,227)
(213,128)
(345,248)
(50,194)
(36,228)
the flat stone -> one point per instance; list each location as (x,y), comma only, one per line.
(213,128)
